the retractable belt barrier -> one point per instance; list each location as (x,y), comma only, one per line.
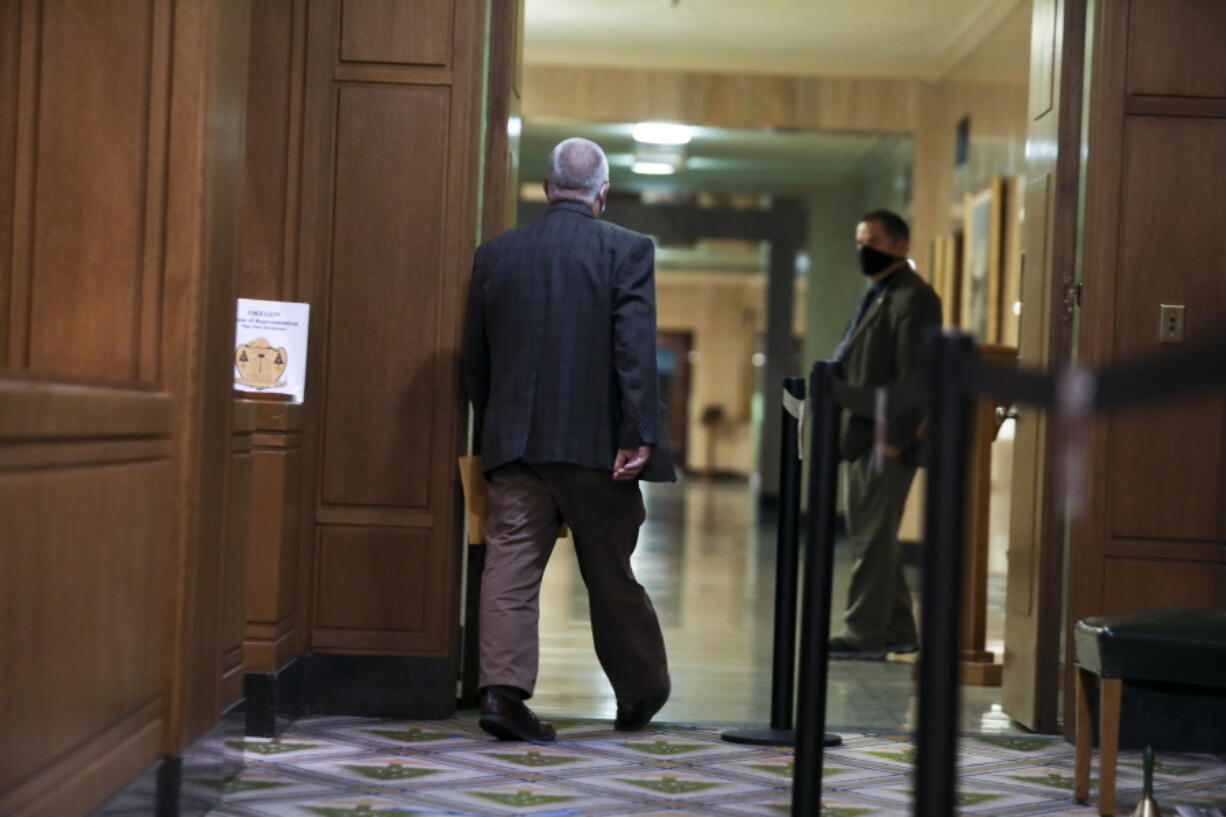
(787,558)
(952,376)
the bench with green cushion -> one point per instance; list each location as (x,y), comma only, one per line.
(1175,646)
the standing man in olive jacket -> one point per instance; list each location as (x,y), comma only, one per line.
(560,366)
(882,345)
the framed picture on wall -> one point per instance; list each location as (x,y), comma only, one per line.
(982,267)
(947,275)
(1011,290)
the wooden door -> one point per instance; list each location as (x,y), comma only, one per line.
(1154,532)
(1034,597)
(390,160)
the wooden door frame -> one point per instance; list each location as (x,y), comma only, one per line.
(1032,691)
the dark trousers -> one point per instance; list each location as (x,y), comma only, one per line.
(878,599)
(527,504)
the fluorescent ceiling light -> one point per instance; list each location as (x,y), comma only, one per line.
(662,133)
(653,168)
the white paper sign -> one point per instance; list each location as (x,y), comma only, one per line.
(270,347)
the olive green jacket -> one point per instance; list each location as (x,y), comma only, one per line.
(887,347)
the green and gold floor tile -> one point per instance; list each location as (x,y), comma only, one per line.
(289,747)
(353,767)
(779,770)
(515,797)
(253,783)
(395,771)
(675,784)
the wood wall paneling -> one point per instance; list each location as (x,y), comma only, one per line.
(205,166)
(235,555)
(85,506)
(94,83)
(270,123)
(273,538)
(1152,535)
(277,550)
(122,148)
(372,579)
(406,32)
(388,226)
(1175,49)
(1168,454)
(1140,584)
(382,391)
(722,100)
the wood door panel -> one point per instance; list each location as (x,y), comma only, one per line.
(1174,49)
(404,32)
(1168,458)
(275,524)
(91,158)
(83,602)
(1164,242)
(373,579)
(1152,533)
(1165,461)
(382,378)
(1143,584)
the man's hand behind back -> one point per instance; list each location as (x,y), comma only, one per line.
(630,462)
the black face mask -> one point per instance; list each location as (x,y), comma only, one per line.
(873,261)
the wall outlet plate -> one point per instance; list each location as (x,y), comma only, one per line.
(1171,320)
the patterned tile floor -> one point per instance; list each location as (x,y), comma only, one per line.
(351,767)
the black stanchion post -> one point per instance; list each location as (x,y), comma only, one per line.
(787,556)
(948,408)
(811,734)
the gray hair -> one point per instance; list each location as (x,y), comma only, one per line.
(578,170)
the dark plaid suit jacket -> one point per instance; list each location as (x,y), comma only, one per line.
(560,344)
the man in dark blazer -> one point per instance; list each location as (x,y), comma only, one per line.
(882,345)
(560,366)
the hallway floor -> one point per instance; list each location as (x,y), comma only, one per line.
(352,767)
(707,557)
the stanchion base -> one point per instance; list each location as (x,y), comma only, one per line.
(765,736)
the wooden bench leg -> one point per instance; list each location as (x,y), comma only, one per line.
(1108,741)
(1083,737)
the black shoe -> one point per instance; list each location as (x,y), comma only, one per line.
(842,649)
(508,718)
(905,648)
(636,716)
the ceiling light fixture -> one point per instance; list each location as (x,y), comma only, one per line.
(653,168)
(662,133)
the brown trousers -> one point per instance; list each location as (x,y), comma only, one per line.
(527,504)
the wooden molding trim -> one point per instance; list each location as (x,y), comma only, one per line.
(1200,107)
(31,409)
